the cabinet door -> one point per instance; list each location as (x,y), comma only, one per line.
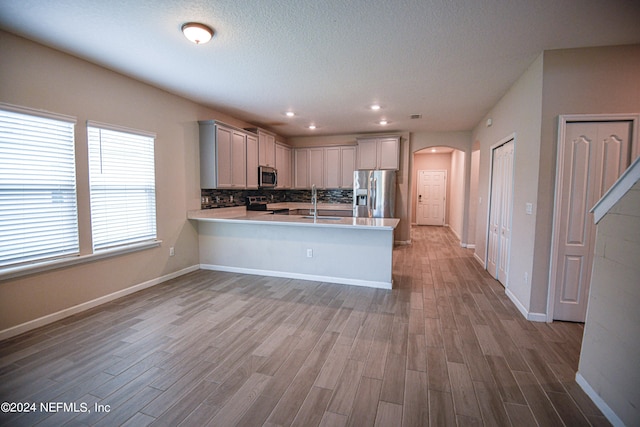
(283,165)
(347,166)
(252,161)
(388,153)
(316,167)
(223,156)
(267,149)
(333,172)
(367,154)
(208,155)
(301,160)
(238,160)
(271,150)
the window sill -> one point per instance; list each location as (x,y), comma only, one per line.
(39,267)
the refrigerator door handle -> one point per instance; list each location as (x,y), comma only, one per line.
(374,193)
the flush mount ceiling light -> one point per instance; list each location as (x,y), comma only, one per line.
(375,107)
(290,114)
(383,122)
(197,33)
(312,127)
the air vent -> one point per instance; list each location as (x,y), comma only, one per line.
(415,116)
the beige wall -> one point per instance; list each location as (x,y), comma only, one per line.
(576,81)
(611,342)
(457,184)
(429,161)
(517,113)
(459,141)
(41,78)
(473,198)
(572,81)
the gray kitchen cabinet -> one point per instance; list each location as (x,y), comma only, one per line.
(252,161)
(379,153)
(266,149)
(308,167)
(283,165)
(223,156)
(339,164)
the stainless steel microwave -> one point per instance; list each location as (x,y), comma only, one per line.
(267,177)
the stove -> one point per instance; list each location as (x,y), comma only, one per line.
(257,203)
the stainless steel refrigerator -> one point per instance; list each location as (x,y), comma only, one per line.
(374,193)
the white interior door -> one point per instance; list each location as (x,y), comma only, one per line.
(432,197)
(591,157)
(506,211)
(500,211)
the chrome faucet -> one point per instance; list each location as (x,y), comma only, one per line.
(314,200)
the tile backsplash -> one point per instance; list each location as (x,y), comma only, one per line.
(211,199)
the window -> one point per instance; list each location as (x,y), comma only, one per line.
(38,207)
(122,186)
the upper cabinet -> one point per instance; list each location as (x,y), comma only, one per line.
(308,167)
(283,165)
(228,156)
(379,153)
(324,167)
(252,161)
(266,149)
(339,164)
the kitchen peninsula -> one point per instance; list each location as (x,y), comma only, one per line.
(347,250)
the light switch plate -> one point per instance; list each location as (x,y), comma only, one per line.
(529,208)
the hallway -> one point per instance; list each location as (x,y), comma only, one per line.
(444,347)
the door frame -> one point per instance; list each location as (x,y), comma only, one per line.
(444,204)
(563,119)
(492,148)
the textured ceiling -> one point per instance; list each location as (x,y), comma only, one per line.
(328,61)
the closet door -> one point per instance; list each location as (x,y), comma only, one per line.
(591,157)
(506,211)
(500,211)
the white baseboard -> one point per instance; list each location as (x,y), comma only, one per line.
(534,317)
(480,260)
(50,318)
(288,275)
(597,400)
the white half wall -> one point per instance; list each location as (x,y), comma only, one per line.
(353,256)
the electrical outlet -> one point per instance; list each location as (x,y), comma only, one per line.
(309,253)
(172,251)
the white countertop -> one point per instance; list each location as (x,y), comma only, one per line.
(241,216)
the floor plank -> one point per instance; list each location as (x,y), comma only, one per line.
(444,347)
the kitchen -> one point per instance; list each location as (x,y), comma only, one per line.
(258,228)
(49,79)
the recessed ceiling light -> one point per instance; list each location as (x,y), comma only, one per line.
(375,107)
(290,114)
(383,122)
(312,127)
(433,150)
(197,33)
(415,116)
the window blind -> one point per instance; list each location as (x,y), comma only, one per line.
(122,186)
(38,207)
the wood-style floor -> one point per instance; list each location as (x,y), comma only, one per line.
(445,347)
